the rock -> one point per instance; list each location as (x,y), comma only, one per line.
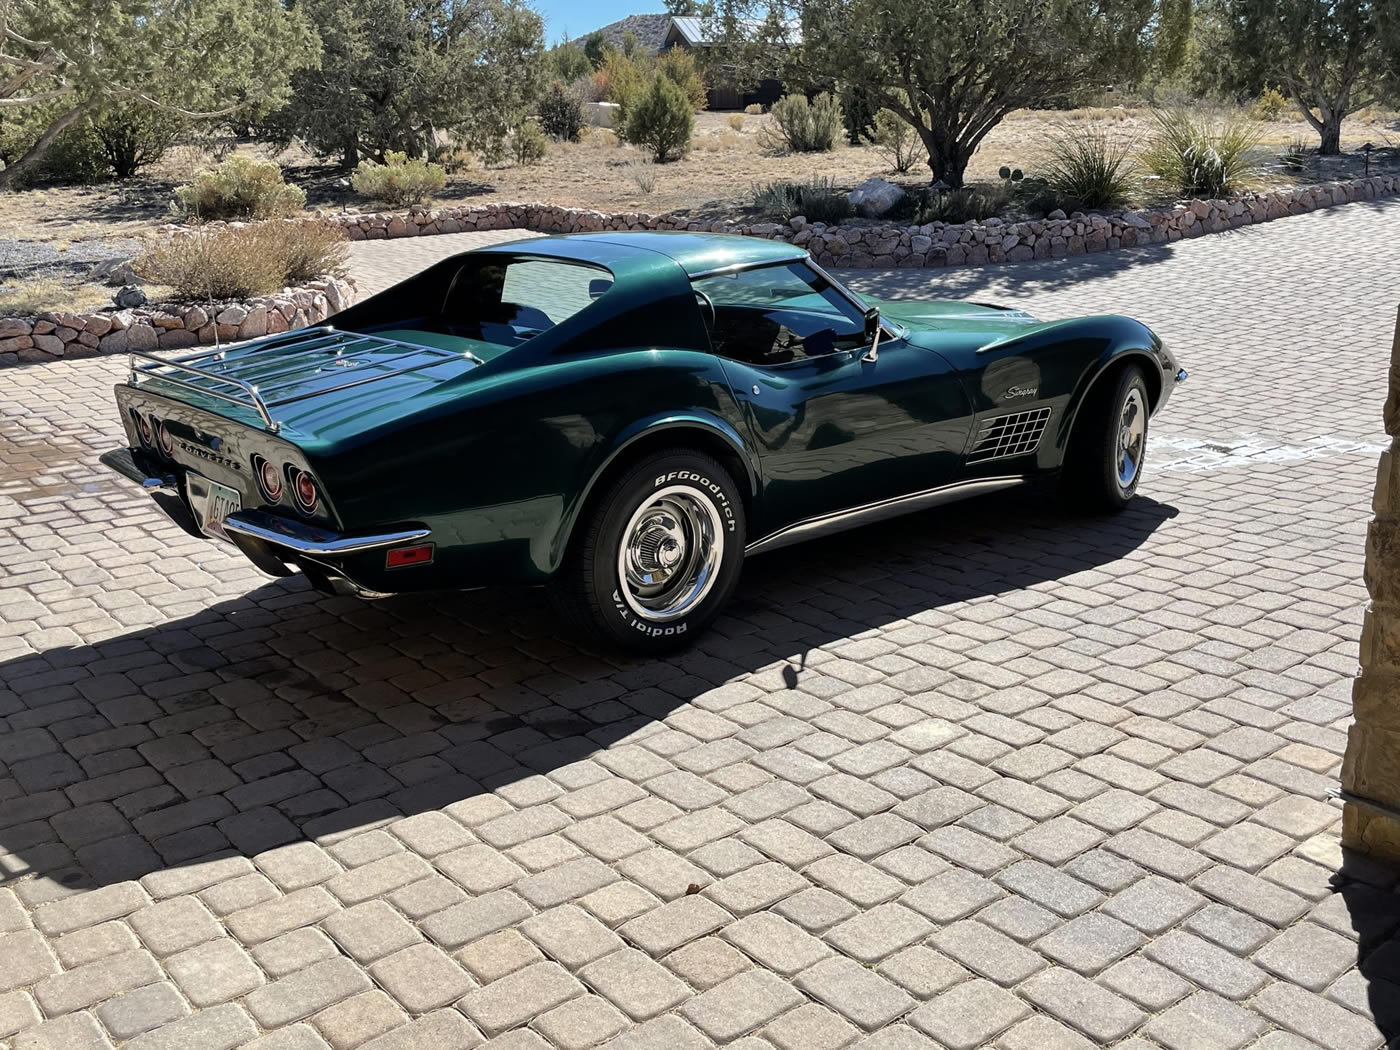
(195,318)
(231,315)
(1136,221)
(98,325)
(255,324)
(129,298)
(65,334)
(50,344)
(115,273)
(113,342)
(13,326)
(1057,214)
(875,197)
(16,342)
(174,338)
(141,336)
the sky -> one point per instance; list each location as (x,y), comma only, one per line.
(579,17)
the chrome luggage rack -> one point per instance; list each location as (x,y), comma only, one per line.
(252,378)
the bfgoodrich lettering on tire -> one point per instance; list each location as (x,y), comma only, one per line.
(659,553)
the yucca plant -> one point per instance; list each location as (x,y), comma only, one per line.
(1202,158)
(1090,169)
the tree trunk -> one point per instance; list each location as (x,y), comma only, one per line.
(42,144)
(1331,134)
(947,157)
(349,153)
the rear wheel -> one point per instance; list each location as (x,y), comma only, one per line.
(659,554)
(1103,464)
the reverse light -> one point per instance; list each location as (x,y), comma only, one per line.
(400,557)
(269,479)
(304,488)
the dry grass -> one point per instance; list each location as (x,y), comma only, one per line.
(237,262)
(38,294)
(714,180)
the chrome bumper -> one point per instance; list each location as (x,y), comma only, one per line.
(309,540)
(253,530)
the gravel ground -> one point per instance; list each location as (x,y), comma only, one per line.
(41,258)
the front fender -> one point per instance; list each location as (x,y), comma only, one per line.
(692,427)
(1129,341)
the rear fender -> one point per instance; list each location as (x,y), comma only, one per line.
(698,429)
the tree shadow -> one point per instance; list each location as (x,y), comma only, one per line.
(283,714)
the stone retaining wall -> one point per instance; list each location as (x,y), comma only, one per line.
(111,331)
(1371,767)
(875,244)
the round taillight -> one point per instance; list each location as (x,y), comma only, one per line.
(143,430)
(304,486)
(166,443)
(269,479)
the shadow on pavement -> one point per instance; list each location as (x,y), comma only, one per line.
(1366,888)
(283,714)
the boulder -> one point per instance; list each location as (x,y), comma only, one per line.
(129,298)
(875,197)
(14,326)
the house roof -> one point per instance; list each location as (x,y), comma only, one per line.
(691,31)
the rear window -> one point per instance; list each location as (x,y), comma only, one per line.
(503,301)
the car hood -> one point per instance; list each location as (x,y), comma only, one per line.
(949,327)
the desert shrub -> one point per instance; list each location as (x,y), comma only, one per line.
(526,144)
(561,113)
(570,63)
(1089,169)
(134,136)
(896,141)
(800,126)
(76,156)
(679,66)
(399,181)
(1270,105)
(235,262)
(858,113)
(1295,158)
(1201,158)
(626,79)
(240,188)
(818,199)
(754,109)
(969,204)
(661,120)
(736,121)
(643,174)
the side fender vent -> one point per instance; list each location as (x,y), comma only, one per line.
(1013,435)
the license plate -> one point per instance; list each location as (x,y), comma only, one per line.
(212,503)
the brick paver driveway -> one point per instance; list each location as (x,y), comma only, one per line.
(988,777)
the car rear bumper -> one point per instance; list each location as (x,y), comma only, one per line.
(275,544)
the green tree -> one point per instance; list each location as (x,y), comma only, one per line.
(395,73)
(595,47)
(661,120)
(570,63)
(1331,57)
(195,59)
(952,69)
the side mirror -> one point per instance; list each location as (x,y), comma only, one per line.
(872,332)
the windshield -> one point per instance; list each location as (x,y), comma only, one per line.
(499,301)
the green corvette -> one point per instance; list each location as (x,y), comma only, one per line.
(624,417)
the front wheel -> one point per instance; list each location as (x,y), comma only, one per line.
(659,555)
(1103,464)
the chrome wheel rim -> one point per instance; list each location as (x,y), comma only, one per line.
(670,554)
(1132,438)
